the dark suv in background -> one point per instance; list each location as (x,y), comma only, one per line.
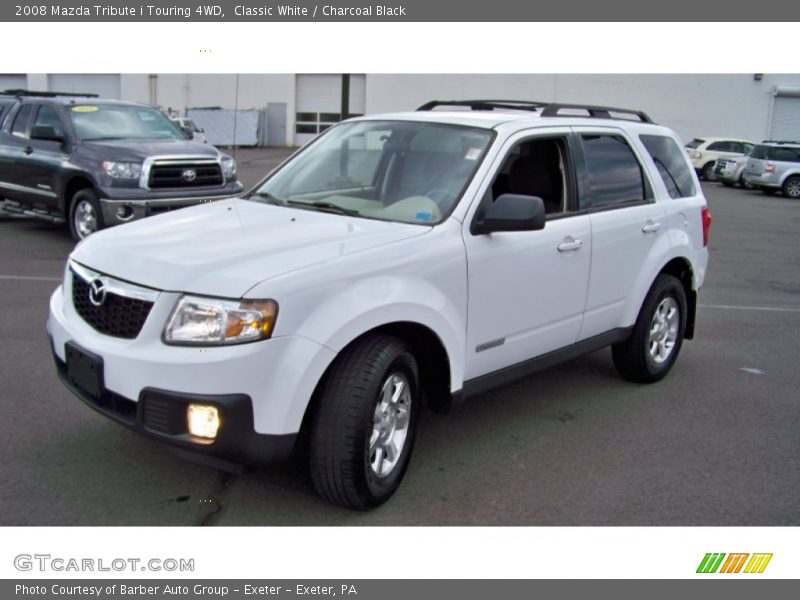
(98,163)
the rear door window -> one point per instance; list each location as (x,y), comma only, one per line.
(614,175)
(671,165)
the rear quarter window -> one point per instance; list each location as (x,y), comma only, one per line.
(671,165)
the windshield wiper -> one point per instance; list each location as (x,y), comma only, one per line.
(324,206)
(268,198)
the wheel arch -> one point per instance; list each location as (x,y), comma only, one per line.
(681,268)
(71,185)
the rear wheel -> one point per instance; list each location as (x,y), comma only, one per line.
(365,423)
(84,214)
(791,187)
(653,346)
(708,172)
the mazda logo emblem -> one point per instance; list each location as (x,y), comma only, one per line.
(97,291)
(189,175)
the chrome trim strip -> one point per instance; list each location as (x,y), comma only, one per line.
(158,201)
(115,286)
(22,188)
(150,161)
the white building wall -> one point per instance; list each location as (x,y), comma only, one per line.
(693,105)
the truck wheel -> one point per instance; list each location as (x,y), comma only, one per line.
(650,351)
(708,172)
(363,428)
(791,187)
(85,216)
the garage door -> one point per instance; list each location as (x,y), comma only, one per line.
(319,103)
(106,86)
(786,117)
(13,82)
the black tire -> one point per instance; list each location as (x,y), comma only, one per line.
(768,191)
(342,424)
(727,184)
(708,172)
(81,199)
(743,183)
(791,187)
(633,358)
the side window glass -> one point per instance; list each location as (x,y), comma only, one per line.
(719,147)
(535,167)
(748,148)
(20,125)
(48,116)
(614,173)
(671,164)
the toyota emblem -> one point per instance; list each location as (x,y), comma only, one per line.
(97,291)
(189,175)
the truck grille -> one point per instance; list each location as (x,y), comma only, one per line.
(185,174)
(117,316)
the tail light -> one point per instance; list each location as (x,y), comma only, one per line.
(770,168)
(706,225)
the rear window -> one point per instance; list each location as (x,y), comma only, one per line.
(671,165)
(760,151)
(695,143)
(776,153)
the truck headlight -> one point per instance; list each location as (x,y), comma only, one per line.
(228,167)
(197,321)
(122,170)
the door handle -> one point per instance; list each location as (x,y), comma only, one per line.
(570,245)
(27,150)
(651,227)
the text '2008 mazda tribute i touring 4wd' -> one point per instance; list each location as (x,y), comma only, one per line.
(395,260)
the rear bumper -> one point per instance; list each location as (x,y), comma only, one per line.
(161,415)
(768,180)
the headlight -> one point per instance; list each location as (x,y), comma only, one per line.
(122,170)
(211,322)
(228,167)
(696,154)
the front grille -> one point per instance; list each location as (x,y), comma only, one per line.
(118,316)
(184,175)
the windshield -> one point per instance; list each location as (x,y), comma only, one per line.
(695,143)
(391,170)
(120,121)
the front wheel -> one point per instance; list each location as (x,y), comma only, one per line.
(365,423)
(84,214)
(791,187)
(653,346)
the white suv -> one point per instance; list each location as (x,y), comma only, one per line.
(397,259)
(704,152)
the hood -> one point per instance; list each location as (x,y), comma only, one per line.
(224,248)
(138,150)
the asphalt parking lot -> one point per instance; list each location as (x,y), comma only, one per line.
(716,443)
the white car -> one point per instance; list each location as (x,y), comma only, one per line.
(397,259)
(189,127)
(704,152)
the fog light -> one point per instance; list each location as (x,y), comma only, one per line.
(203,420)
(125,213)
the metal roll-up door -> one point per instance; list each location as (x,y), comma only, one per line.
(786,115)
(13,82)
(319,103)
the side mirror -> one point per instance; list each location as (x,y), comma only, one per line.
(512,212)
(47,133)
(187,132)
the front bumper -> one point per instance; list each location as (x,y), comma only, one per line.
(161,415)
(262,388)
(120,205)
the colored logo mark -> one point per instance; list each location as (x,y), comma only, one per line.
(734,563)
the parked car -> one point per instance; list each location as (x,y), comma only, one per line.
(774,166)
(396,259)
(192,131)
(98,163)
(730,171)
(704,152)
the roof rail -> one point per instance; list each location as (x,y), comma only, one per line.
(780,142)
(545,109)
(485,104)
(595,112)
(18,92)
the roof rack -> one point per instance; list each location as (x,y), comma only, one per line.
(546,109)
(18,92)
(485,104)
(794,143)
